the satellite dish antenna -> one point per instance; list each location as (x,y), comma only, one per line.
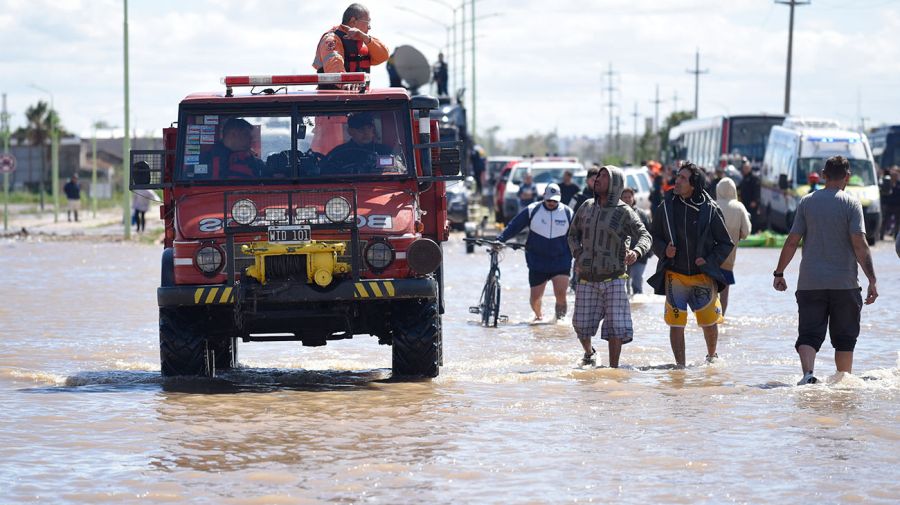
(412,67)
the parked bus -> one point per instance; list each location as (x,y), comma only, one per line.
(795,151)
(708,141)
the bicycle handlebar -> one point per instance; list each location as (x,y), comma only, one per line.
(495,243)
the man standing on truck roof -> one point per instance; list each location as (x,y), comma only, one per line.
(348,47)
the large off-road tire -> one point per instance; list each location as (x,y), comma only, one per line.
(188,338)
(417,344)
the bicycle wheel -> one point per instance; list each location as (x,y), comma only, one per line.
(496,301)
(487,301)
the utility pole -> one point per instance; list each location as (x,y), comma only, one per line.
(656,103)
(462,45)
(4,131)
(790,51)
(618,134)
(697,73)
(610,104)
(634,142)
(474,101)
(126,141)
(675,101)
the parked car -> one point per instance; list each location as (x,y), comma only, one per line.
(458,204)
(544,171)
(499,189)
(639,179)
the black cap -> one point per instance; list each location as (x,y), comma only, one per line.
(360,119)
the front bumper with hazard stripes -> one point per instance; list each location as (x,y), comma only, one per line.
(359,291)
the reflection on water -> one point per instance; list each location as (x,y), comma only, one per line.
(88,419)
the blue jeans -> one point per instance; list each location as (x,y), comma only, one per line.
(636,272)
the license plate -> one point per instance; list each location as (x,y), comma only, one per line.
(297,234)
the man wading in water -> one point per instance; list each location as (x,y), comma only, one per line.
(691,240)
(599,239)
(830,223)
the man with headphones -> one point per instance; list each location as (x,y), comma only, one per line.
(692,241)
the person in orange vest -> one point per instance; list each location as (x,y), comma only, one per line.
(348,47)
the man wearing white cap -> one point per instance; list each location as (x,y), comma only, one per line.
(546,249)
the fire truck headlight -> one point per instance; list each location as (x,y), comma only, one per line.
(209,259)
(244,211)
(424,256)
(337,209)
(379,255)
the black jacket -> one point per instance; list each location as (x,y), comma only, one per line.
(710,241)
(750,190)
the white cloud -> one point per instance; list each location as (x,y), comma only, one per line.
(539,64)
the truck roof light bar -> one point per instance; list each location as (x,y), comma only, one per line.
(360,79)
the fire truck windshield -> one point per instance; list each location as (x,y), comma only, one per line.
(220,147)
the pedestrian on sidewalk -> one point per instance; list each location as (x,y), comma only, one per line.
(691,240)
(600,239)
(830,223)
(140,204)
(737,221)
(73,195)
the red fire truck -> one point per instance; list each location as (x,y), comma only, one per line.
(300,214)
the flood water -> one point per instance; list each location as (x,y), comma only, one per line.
(86,417)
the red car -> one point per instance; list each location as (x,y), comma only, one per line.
(500,189)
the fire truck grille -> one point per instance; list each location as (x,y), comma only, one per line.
(286,266)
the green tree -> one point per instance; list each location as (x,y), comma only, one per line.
(39,121)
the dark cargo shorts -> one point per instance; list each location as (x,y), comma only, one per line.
(837,310)
(538,278)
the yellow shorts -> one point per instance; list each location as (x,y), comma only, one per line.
(695,291)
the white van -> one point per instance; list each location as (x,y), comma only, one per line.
(795,151)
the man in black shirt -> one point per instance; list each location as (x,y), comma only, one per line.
(750,189)
(360,154)
(568,189)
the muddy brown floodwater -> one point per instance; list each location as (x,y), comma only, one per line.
(86,417)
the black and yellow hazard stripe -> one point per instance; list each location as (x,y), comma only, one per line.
(214,295)
(374,289)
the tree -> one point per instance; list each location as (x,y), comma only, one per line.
(40,119)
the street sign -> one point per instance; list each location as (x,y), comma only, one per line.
(7,163)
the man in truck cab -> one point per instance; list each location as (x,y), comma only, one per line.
(231,156)
(361,154)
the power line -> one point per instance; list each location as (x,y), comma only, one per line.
(790,50)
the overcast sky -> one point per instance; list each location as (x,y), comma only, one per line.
(540,64)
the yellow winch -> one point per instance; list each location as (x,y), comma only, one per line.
(321,259)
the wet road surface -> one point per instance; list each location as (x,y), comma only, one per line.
(88,419)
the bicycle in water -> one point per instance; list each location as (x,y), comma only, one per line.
(489,304)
